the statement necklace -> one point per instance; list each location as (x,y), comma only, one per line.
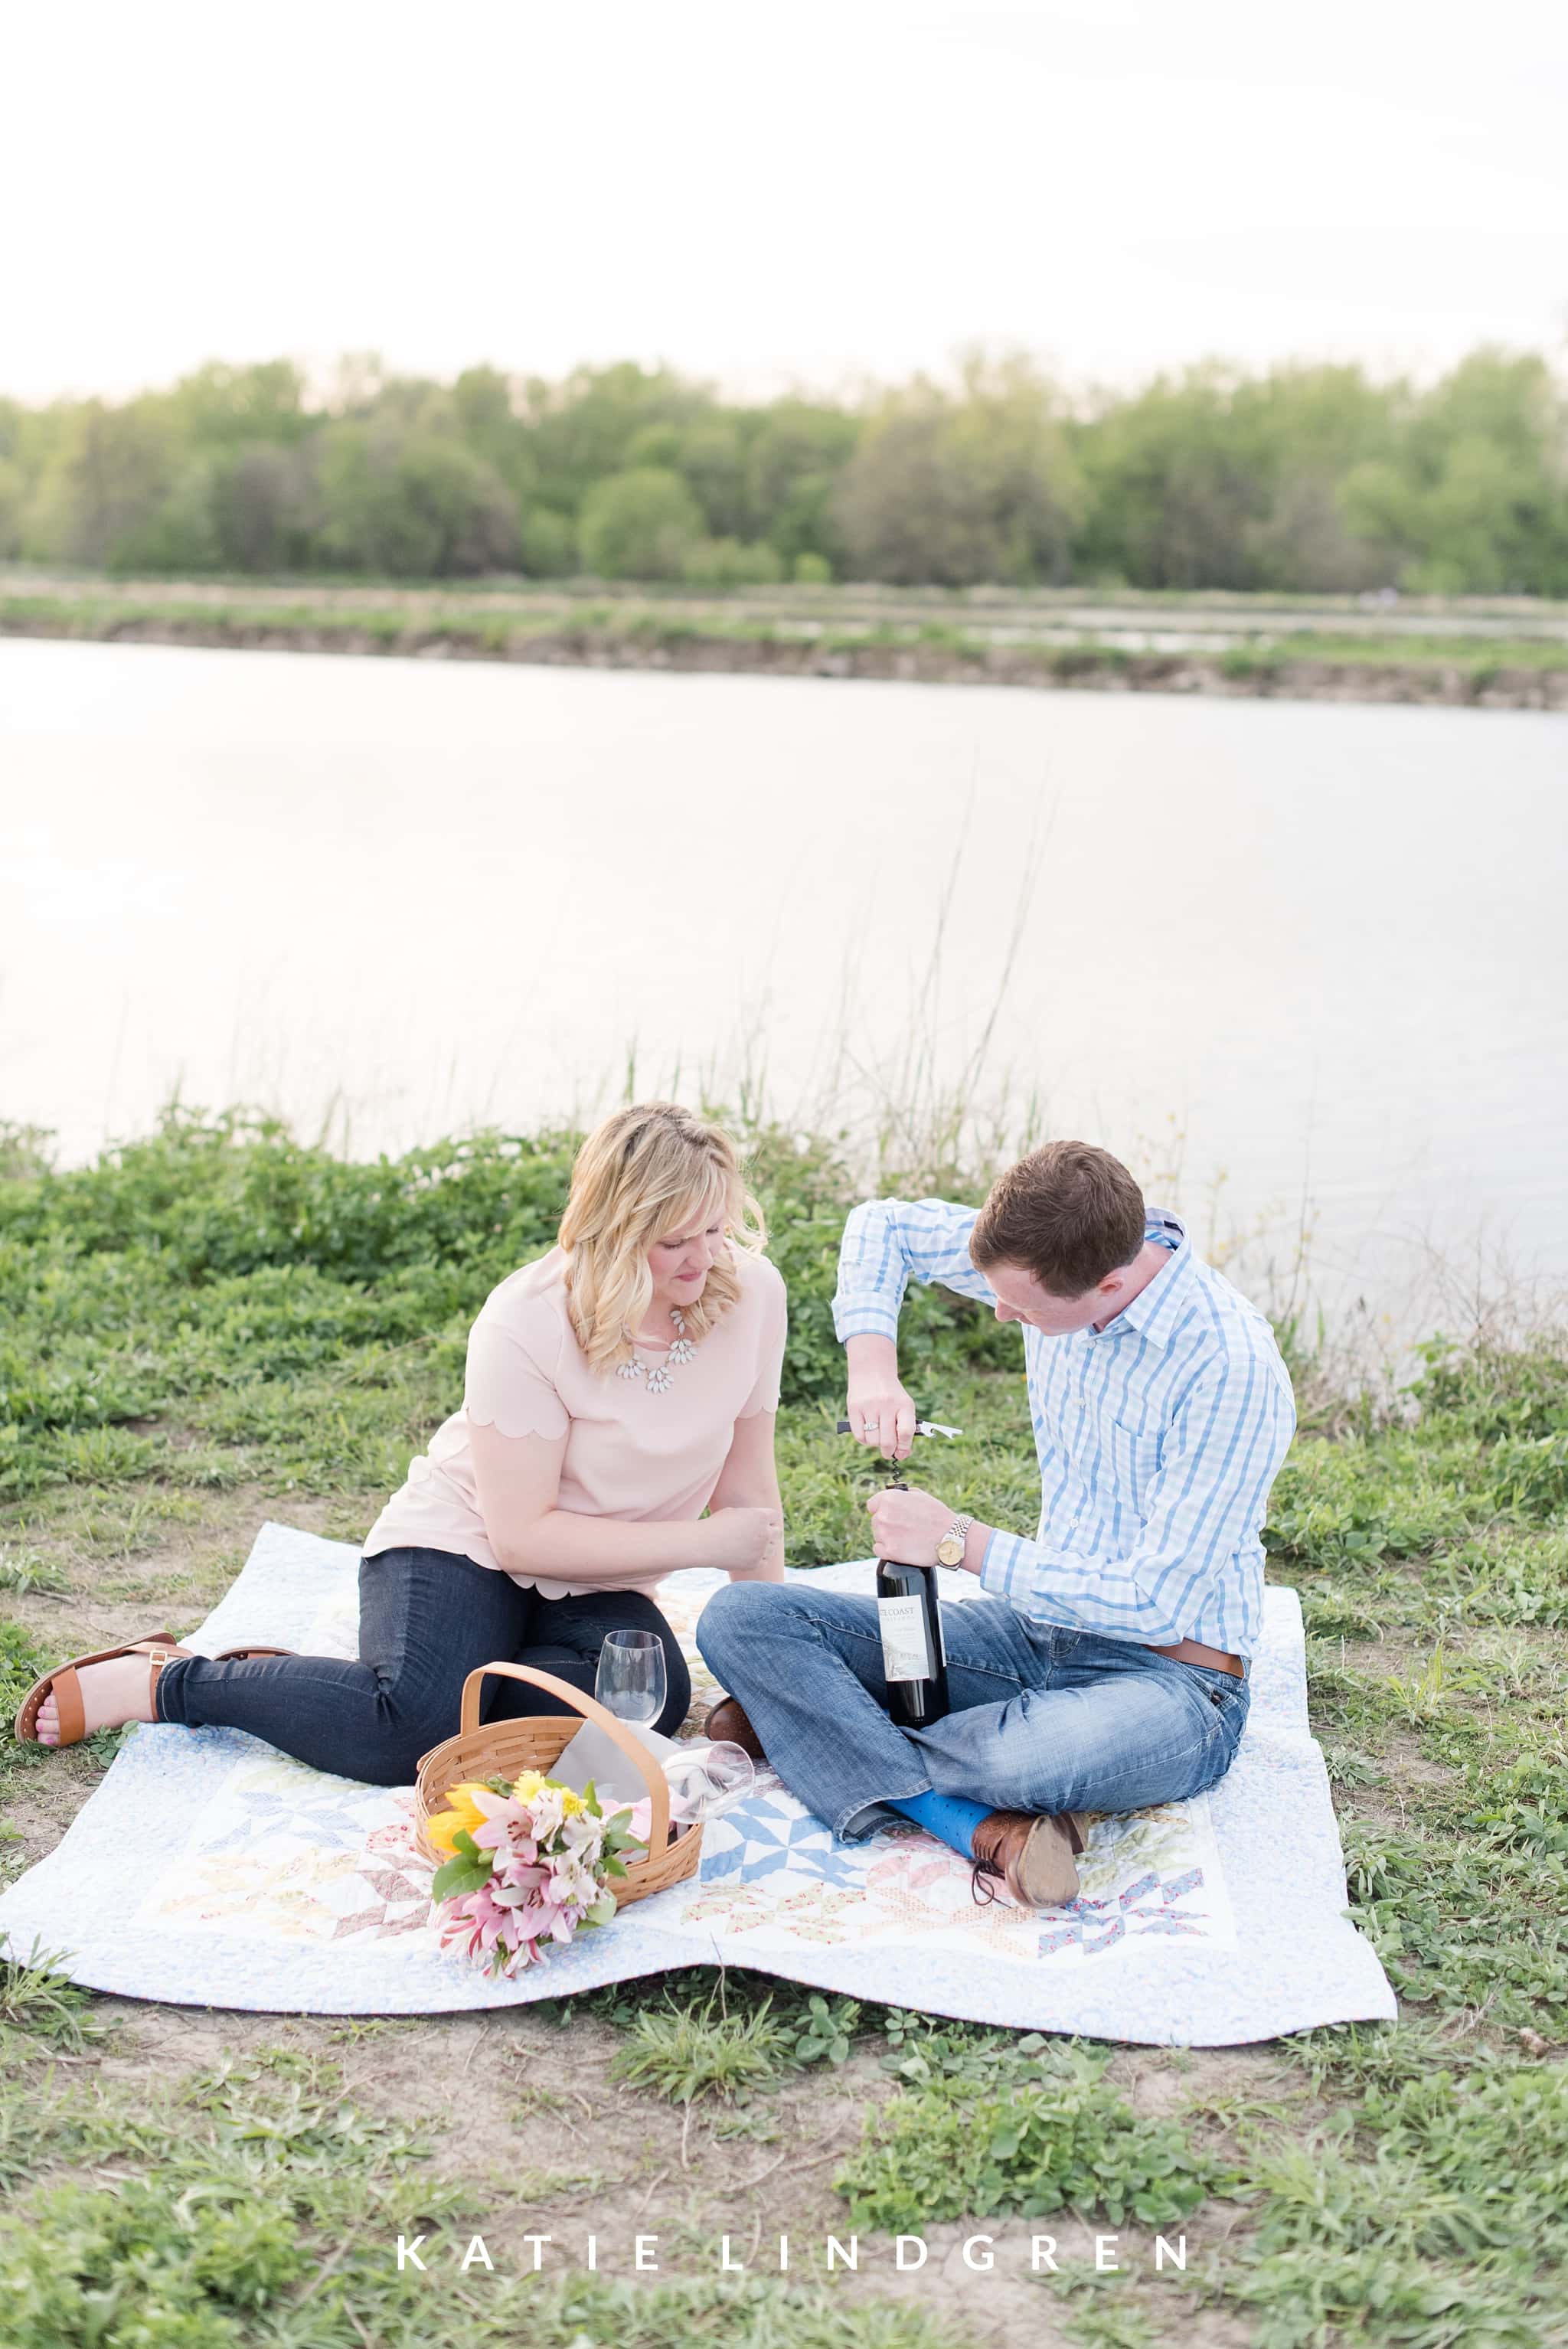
(656,1376)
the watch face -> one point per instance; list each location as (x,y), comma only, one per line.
(950,1549)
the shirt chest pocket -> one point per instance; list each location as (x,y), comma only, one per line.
(1132,1457)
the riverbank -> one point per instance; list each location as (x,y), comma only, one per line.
(1181,649)
(219,1324)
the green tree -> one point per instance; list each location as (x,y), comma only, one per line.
(1173,491)
(1301,431)
(794,460)
(222,406)
(549,542)
(484,416)
(581,430)
(640,524)
(954,492)
(109,471)
(1475,496)
(265,507)
(415,503)
(13,508)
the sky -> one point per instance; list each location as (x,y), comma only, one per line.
(763,195)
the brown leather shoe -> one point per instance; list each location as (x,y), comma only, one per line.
(726,1720)
(1034,1855)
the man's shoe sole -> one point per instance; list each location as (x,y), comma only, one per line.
(1046,1868)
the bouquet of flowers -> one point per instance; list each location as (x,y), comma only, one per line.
(529,1863)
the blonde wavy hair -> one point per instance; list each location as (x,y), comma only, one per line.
(646,1173)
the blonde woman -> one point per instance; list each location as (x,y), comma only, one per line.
(616,1388)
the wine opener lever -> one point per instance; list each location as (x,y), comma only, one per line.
(921,1427)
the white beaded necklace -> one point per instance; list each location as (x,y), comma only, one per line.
(656,1376)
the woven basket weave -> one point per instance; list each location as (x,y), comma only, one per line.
(504,1749)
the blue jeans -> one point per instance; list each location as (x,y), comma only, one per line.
(426,1620)
(1043,1719)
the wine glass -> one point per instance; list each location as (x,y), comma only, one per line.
(707,1778)
(629,1679)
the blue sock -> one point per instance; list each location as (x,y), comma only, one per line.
(948,1816)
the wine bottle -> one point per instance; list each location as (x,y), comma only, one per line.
(914,1661)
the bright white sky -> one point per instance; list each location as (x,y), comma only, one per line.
(766,193)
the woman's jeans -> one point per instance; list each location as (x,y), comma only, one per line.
(426,1620)
(1042,1719)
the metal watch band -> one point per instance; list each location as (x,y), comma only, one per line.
(960,1526)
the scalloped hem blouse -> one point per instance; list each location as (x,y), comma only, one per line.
(630,1455)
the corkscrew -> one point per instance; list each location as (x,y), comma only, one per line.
(892,1468)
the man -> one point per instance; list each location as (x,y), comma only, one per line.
(1109,1670)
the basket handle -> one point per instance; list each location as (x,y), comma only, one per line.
(590,1710)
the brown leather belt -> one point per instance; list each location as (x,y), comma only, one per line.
(1193,1652)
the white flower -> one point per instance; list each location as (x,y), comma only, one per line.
(572,1884)
(659,1380)
(585,1834)
(548,1813)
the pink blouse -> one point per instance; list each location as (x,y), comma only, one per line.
(629,1453)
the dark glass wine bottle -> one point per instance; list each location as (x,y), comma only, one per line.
(914,1661)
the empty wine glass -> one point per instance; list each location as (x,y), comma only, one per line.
(707,1778)
(629,1679)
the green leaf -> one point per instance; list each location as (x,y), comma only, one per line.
(459,1876)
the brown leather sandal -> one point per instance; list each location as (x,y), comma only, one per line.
(244,1655)
(160,1649)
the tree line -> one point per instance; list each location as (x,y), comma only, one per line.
(1303,478)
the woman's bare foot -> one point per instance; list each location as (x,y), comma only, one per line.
(112,1694)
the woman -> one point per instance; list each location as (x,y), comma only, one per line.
(616,1388)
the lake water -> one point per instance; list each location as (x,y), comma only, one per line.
(1316,950)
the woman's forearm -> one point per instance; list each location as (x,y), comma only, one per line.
(750,1480)
(599,1549)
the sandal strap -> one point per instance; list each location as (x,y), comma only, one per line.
(67,1690)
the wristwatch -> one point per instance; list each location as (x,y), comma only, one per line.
(950,1548)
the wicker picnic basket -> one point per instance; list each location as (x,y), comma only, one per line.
(504,1749)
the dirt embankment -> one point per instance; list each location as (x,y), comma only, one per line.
(1087,668)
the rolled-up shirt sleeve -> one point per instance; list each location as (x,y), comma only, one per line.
(1202,1508)
(887,1244)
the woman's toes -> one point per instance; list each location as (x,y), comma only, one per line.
(49,1723)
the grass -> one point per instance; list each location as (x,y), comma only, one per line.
(218,1322)
(683,2051)
(865,632)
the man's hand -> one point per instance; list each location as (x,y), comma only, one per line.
(908,1526)
(879,1412)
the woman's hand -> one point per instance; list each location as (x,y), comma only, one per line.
(744,1542)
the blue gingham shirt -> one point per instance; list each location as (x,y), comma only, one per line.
(1158,1436)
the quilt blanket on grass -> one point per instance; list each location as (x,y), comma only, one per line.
(224,1874)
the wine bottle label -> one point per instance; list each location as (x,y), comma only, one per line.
(905,1639)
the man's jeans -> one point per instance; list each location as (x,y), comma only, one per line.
(426,1620)
(1043,1719)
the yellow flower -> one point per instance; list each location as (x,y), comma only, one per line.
(464,1814)
(529,1784)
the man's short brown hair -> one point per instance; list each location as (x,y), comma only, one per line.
(1068,1213)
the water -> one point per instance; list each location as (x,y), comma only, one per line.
(1315,949)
